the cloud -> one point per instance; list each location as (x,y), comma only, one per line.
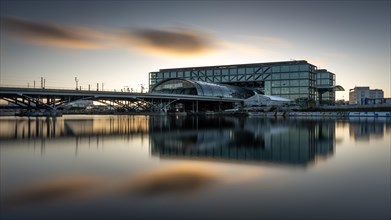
(176,41)
(173,42)
(49,34)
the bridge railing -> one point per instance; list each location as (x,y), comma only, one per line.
(69,88)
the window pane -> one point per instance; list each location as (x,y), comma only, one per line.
(284,75)
(304,75)
(276,91)
(276,83)
(304,82)
(284,83)
(249,70)
(276,76)
(275,69)
(294,82)
(284,68)
(294,75)
(294,90)
(284,90)
(233,71)
(303,67)
(294,68)
(303,90)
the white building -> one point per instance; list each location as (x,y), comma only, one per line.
(360,95)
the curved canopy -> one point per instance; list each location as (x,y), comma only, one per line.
(334,88)
(192,87)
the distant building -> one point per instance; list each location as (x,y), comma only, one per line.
(363,96)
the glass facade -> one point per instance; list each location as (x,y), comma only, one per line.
(325,82)
(290,79)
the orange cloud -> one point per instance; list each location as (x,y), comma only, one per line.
(49,34)
(178,41)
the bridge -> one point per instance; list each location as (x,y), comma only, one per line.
(53,99)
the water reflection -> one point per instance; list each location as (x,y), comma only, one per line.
(367,129)
(298,142)
(71,126)
(176,170)
(242,139)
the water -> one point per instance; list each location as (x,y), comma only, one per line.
(114,167)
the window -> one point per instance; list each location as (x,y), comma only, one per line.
(276,83)
(276,69)
(180,74)
(209,72)
(294,90)
(284,83)
(294,75)
(284,90)
(249,70)
(304,75)
(267,87)
(276,76)
(303,90)
(324,75)
(172,74)
(284,75)
(303,67)
(325,82)
(187,73)
(294,68)
(304,82)
(233,71)
(284,68)
(276,91)
(241,71)
(294,82)
(224,72)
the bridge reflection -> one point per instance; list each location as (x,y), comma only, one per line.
(72,126)
(243,139)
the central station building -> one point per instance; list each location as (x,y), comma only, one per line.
(297,81)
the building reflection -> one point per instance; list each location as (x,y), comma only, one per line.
(293,142)
(236,139)
(365,129)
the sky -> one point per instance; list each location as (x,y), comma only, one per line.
(118,43)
